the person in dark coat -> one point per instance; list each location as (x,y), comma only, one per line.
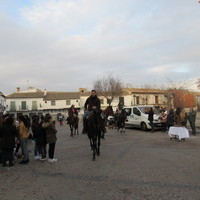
(92,103)
(8,133)
(177,117)
(1,124)
(42,139)
(150,118)
(192,119)
(170,118)
(51,138)
(35,130)
(71,112)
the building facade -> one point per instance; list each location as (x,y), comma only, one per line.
(2,103)
(132,97)
(34,101)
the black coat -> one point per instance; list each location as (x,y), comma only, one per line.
(8,134)
(92,101)
(150,116)
(170,119)
(41,135)
(36,130)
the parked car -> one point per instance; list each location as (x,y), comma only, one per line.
(137,116)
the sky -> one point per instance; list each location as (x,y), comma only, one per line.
(62,45)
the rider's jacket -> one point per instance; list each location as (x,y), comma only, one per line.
(92,101)
(72,111)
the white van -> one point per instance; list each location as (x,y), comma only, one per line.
(137,116)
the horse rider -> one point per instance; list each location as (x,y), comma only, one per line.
(72,111)
(92,103)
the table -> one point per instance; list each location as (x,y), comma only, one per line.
(181,132)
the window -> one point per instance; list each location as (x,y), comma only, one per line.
(128,111)
(121,101)
(108,101)
(34,105)
(136,111)
(137,100)
(68,102)
(12,106)
(101,101)
(53,103)
(23,105)
(156,99)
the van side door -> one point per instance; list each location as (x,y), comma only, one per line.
(129,115)
(136,117)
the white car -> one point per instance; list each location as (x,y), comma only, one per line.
(137,116)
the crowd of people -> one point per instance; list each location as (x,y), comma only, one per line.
(178,117)
(15,134)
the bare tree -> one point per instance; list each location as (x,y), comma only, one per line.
(110,87)
(177,93)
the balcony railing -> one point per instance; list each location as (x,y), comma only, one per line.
(13,108)
(23,108)
(34,108)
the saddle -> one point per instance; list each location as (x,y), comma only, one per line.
(98,112)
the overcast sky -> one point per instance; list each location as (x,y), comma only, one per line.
(61,45)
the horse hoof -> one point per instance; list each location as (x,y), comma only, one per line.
(93,159)
(98,154)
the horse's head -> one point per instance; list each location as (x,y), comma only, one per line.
(108,111)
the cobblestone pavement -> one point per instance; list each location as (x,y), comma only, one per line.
(135,165)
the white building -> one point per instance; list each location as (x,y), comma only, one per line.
(34,101)
(131,97)
(27,102)
(142,96)
(2,102)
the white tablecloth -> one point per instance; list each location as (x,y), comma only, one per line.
(181,132)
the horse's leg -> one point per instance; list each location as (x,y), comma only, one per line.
(74,129)
(102,128)
(98,145)
(71,129)
(77,130)
(120,129)
(94,147)
(124,130)
(91,145)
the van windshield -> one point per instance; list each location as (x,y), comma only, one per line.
(146,109)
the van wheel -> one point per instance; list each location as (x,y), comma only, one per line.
(143,126)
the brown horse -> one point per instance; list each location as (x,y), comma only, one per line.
(73,121)
(96,128)
(107,112)
(94,132)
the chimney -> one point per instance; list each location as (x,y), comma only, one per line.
(45,92)
(82,90)
(18,89)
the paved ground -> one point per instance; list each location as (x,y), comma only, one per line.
(134,166)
